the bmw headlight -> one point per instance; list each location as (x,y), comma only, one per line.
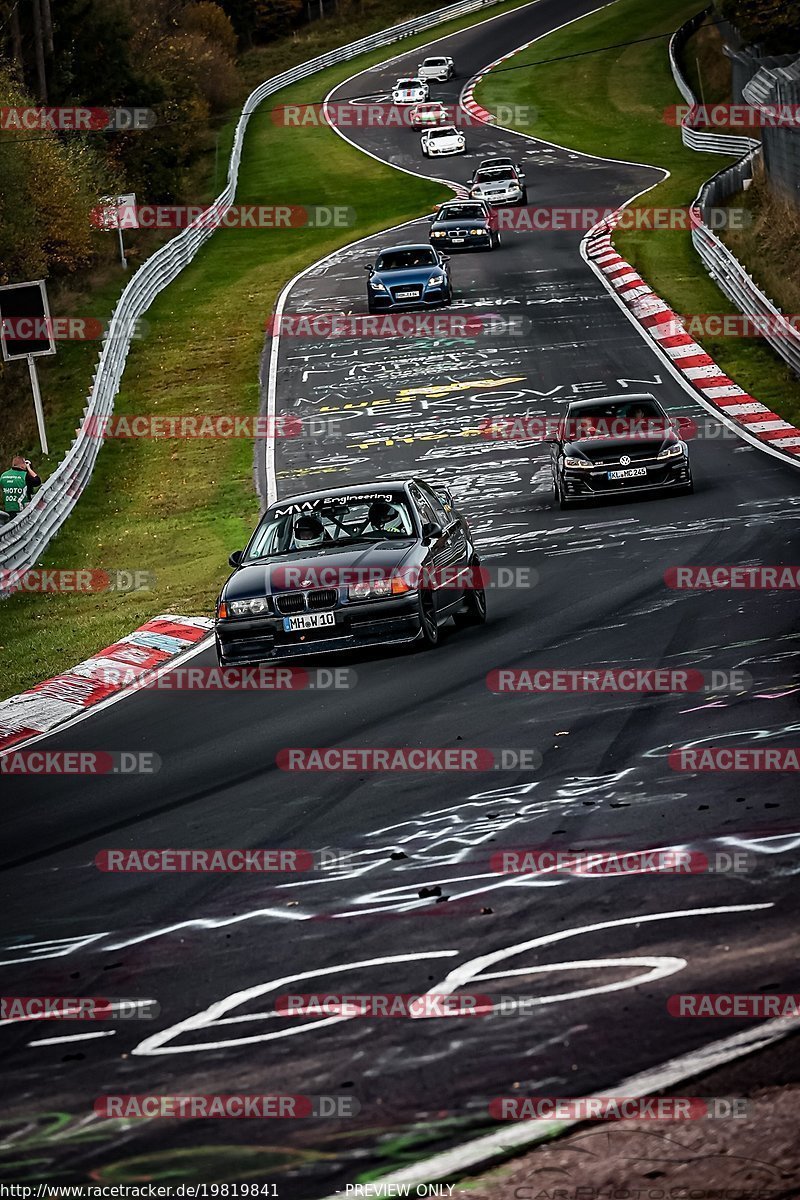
(375,589)
(474,231)
(250,608)
(580,463)
(438,233)
(675,451)
(436,281)
(377,285)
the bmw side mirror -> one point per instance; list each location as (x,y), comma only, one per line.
(432,217)
(235,559)
(431,530)
(551,438)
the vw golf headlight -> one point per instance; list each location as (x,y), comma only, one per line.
(377,285)
(578,462)
(250,608)
(675,451)
(436,281)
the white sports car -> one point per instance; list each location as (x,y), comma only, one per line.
(439,69)
(410,91)
(443,141)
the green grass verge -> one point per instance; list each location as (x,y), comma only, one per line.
(611,102)
(177,508)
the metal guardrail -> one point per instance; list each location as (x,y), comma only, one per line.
(27,535)
(693,134)
(722,265)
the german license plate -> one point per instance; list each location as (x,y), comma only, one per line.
(630,473)
(407,295)
(308,621)
(457,241)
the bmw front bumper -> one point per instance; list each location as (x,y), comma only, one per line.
(242,641)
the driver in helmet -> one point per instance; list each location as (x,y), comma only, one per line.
(385,518)
(308,531)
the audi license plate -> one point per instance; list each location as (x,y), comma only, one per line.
(308,621)
(630,473)
(407,295)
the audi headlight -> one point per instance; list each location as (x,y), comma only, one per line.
(675,451)
(250,608)
(436,281)
(580,463)
(377,285)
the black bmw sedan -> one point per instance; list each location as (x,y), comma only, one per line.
(616,445)
(347,568)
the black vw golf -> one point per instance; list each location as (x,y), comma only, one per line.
(614,445)
(350,567)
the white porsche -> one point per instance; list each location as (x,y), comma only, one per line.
(435,142)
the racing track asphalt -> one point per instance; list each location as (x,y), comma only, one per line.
(599,599)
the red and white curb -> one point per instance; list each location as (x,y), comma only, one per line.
(139,654)
(468,103)
(687,357)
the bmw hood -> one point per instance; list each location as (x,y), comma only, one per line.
(330,568)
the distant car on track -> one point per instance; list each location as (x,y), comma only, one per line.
(464,225)
(439,69)
(490,164)
(372,565)
(499,185)
(438,142)
(414,276)
(410,91)
(429,115)
(616,445)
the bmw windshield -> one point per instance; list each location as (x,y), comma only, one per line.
(324,527)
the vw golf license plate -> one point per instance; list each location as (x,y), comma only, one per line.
(628,474)
(407,295)
(308,621)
